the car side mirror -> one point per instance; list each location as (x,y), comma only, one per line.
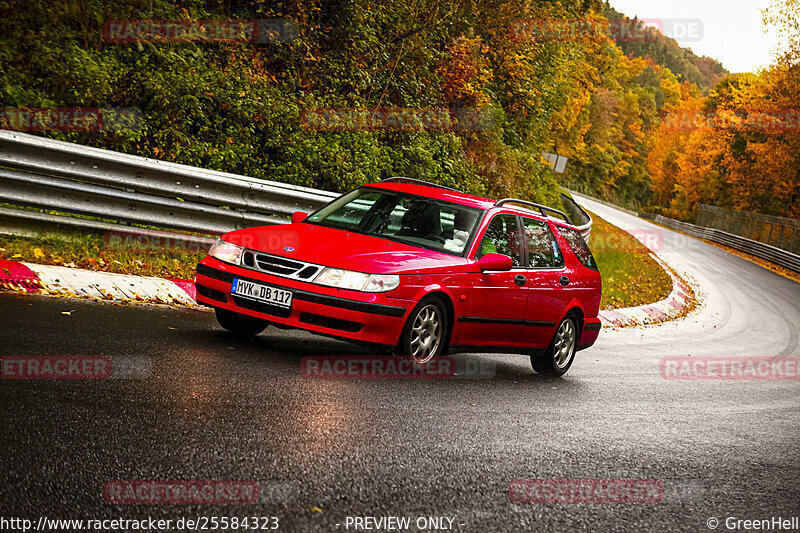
(492,261)
(299,216)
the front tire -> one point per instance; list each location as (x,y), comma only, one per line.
(559,355)
(425,333)
(242,326)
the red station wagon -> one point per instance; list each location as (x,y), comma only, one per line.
(416,268)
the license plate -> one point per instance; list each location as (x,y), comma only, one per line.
(262,293)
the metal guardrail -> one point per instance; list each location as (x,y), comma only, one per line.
(124,189)
(780,232)
(772,254)
(73,178)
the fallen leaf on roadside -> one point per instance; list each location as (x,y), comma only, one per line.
(38,253)
(316,509)
(67,312)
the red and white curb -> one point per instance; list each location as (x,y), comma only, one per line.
(664,310)
(65,281)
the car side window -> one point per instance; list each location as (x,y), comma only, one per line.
(543,251)
(578,245)
(502,237)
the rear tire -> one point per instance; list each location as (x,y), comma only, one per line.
(426,331)
(559,356)
(241,326)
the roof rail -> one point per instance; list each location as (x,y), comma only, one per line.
(543,209)
(400,179)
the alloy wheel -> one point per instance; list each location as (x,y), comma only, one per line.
(426,334)
(564,344)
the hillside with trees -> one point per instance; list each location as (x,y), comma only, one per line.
(705,72)
(242,107)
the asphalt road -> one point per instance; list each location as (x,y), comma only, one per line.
(198,405)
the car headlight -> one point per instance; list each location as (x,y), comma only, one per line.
(227,252)
(381,283)
(357,281)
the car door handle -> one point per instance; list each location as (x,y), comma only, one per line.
(564,281)
(520,280)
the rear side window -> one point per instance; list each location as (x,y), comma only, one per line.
(578,246)
(543,249)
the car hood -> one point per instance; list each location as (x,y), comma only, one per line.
(344,249)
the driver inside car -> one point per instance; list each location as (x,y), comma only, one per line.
(422,220)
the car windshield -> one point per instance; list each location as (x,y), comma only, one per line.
(416,220)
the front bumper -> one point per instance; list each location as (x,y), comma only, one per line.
(365,317)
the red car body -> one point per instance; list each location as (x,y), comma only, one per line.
(487,310)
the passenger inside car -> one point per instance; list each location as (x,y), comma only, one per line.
(460,233)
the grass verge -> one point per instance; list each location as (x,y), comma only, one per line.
(91,252)
(631,276)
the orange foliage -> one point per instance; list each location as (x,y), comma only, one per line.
(740,146)
(737,148)
(465,73)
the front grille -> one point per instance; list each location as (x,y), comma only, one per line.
(307,272)
(280,266)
